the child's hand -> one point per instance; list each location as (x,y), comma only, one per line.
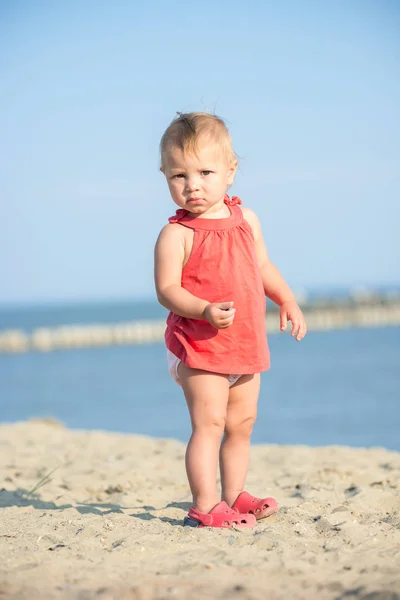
(290,311)
(220,314)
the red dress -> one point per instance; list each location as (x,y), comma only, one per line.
(222,267)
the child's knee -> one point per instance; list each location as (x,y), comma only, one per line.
(242,428)
(212,425)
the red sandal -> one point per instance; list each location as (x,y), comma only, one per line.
(219,516)
(259,507)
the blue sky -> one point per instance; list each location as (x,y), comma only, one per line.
(311,93)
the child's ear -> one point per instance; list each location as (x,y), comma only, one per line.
(232,171)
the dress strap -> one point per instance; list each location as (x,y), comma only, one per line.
(178,216)
(234,201)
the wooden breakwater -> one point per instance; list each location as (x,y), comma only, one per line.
(64,337)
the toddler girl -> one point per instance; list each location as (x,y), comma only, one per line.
(212,272)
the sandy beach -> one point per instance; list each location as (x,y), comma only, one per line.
(107,522)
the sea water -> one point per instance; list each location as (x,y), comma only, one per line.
(337,387)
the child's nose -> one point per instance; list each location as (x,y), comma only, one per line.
(192,184)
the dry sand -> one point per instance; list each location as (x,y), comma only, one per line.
(108,523)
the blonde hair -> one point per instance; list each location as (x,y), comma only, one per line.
(187,128)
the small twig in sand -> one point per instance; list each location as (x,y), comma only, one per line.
(43,481)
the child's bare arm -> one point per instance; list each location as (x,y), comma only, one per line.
(275,287)
(168,263)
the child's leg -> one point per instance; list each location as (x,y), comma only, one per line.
(207,398)
(235,447)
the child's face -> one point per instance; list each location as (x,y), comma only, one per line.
(198,183)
